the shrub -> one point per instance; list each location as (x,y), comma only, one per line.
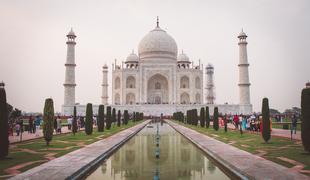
(109,117)
(74,121)
(195,117)
(202,117)
(119,118)
(285,126)
(216,119)
(113,116)
(100,118)
(126,117)
(266,120)
(48,120)
(4,126)
(305,118)
(207,117)
(89,119)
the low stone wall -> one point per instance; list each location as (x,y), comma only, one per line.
(166,109)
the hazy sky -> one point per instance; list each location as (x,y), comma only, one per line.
(33,45)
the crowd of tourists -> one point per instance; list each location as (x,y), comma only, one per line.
(253,123)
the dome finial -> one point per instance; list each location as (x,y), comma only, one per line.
(157,23)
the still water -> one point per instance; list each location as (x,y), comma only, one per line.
(178,159)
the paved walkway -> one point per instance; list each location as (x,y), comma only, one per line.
(28,136)
(243,164)
(75,164)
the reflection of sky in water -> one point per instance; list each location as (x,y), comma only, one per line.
(179,159)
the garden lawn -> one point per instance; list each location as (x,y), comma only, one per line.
(279,150)
(26,155)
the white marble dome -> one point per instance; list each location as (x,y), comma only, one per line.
(158,43)
(132,57)
(183,57)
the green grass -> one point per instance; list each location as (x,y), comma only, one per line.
(57,145)
(253,143)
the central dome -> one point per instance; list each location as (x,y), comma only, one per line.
(158,44)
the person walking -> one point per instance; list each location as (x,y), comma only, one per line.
(30,128)
(17,129)
(294,124)
(59,125)
(37,123)
(236,121)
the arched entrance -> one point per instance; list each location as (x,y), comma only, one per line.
(157,90)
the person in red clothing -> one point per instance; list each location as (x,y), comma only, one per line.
(236,121)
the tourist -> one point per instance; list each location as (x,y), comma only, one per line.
(69,121)
(37,123)
(243,122)
(79,123)
(17,128)
(55,124)
(294,124)
(30,128)
(236,121)
(58,125)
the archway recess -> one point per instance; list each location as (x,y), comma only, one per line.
(157,90)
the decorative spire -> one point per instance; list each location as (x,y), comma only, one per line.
(157,23)
(2,84)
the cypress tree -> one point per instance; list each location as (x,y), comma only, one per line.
(74,121)
(187,117)
(48,120)
(4,126)
(134,116)
(89,119)
(216,119)
(195,117)
(113,116)
(202,117)
(109,117)
(100,118)
(126,117)
(305,118)
(207,117)
(119,118)
(266,120)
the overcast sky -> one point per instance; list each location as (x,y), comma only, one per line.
(33,45)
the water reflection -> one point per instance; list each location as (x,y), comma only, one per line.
(179,159)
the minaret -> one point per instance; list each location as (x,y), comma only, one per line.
(104,96)
(69,97)
(244,82)
(210,94)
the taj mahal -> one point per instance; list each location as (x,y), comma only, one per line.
(159,79)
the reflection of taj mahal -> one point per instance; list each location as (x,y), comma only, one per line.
(159,80)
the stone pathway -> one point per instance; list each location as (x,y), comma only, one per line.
(76,163)
(28,136)
(242,164)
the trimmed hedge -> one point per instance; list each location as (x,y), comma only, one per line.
(100,118)
(89,119)
(266,120)
(305,118)
(48,120)
(4,126)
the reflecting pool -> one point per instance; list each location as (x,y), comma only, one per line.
(178,158)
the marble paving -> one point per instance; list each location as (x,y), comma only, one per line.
(243,164)
(75,164)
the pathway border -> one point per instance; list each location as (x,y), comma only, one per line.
(77,164)
(241,163)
